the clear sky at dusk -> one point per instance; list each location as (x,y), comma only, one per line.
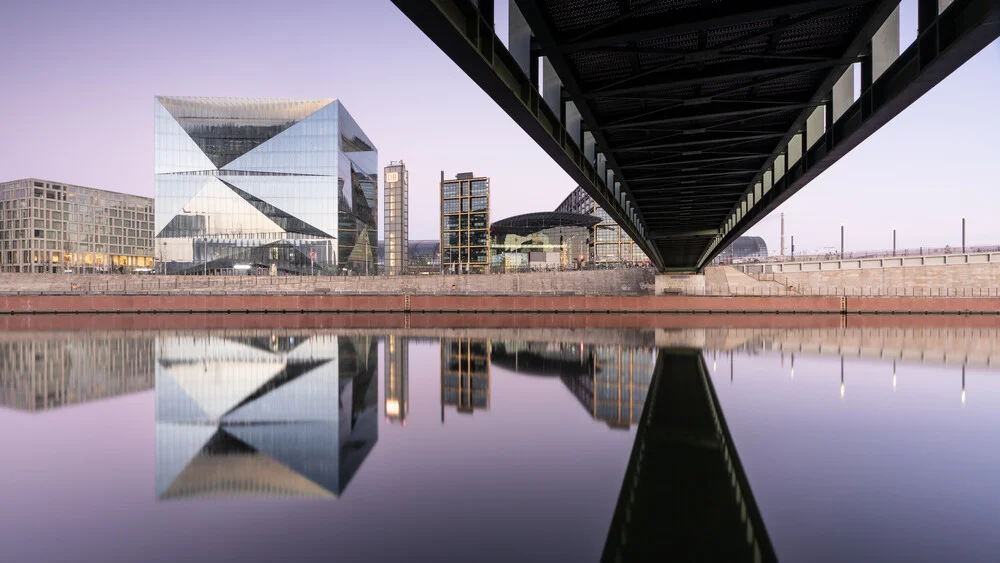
(79,79)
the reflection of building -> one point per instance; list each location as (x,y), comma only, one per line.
(40,371)
(269,415)
(263,185)
(615,391)
(397,181)
(548,240)
(423,256)
(465,224)
(51,227)
(397,378)
(465,374)
(543,358)
(609,243)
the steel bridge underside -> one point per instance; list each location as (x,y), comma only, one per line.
(689,121)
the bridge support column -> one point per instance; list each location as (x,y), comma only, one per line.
(680,283)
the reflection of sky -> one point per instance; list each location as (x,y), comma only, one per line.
(78,485)
(908,474)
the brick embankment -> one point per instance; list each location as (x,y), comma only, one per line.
(399,323)
(539,304)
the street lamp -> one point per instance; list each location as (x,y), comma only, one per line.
(841,240)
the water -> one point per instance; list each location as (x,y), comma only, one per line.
(497,445)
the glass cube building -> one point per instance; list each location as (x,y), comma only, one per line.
(286,187)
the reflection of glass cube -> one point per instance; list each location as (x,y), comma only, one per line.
(290,416)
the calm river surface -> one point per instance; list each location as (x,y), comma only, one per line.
(499,445)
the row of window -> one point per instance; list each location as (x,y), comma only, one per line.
(82,213)
(475,204)
(76,258)
(113,205)
(465,238)
(465,255)
(465,188)
(475,221)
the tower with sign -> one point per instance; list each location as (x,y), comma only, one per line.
(395,186)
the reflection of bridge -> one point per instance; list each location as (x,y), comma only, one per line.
(689,121)
(685,495)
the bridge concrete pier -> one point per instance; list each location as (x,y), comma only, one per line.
(680,283)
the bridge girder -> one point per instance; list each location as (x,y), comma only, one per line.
(653,99)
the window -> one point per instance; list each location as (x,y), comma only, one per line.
(479,203)
(451,222)
(477,221)
(480,187)
(465,188)
(450,189)
(451,206)
(465,204)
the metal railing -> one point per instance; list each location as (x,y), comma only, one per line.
(856,254)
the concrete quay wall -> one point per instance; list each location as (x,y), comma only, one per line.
(933,279)
(591,282)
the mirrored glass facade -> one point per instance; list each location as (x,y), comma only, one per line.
(397,187)
(610,244)
(465,224)
(51,227)
(541,241)
(263,186)
(255,413)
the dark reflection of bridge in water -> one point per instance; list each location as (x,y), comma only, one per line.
(685,495)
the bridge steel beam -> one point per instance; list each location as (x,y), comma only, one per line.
(459,29)
(945,41)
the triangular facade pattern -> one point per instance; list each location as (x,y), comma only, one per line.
(256,417)
(260,185)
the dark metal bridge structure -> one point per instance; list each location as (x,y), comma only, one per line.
(688,121)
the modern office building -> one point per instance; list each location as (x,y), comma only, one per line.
(465,224)
(397,188)
(255,413)
(263,186)
(397,378)
(46,370)
(541,241)
(51,227)
(610,244)
(465,374)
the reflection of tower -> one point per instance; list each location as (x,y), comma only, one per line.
(465,374)
(615,390)
(397,375)
(263,415)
